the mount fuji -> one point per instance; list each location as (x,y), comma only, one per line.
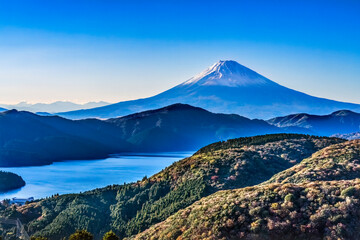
(225,87)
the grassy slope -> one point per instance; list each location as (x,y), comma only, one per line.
(337,162)
(320,206)
(318,211)
(132,208)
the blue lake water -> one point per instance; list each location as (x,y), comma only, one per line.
(80,176)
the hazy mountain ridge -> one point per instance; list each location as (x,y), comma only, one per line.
(134,207)
(59,106)
(339,122)
(349,136)
(226,87)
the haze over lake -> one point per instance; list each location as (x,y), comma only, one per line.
(80,176)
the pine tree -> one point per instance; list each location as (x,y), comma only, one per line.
(110,236)
(38,238)
(81,235)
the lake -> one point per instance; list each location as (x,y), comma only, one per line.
(80,176)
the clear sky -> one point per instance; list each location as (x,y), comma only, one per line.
(115,50)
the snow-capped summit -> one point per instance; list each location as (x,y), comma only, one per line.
(228,73)
(226,87)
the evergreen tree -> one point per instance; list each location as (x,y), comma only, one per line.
(81,235)
(38,238)
(110,236)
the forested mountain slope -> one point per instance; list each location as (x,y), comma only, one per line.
(323,204)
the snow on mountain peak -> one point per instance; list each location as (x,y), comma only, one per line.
(228,73)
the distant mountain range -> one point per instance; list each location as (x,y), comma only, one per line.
(30,139)
(225,87)
(59,106)
(184,127)
(2,109)
(339,122)
(349,136)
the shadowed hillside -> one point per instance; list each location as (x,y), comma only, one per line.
(27,139)
(10,181)
(184,127)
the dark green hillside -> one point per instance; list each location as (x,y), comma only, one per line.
(279,208)
(132,208)
(245,161)
(10,181)
(256,140)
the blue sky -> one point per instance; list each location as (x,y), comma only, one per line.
(116,50)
